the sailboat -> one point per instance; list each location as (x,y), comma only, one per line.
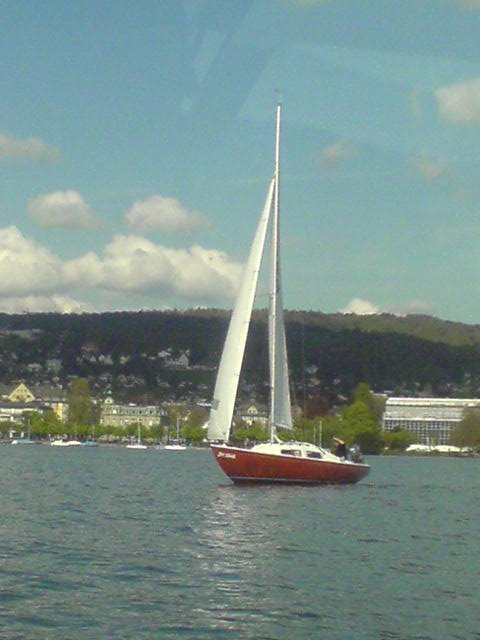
(138,444)
(71,442)
(91,442)
(273,461)
(175,444)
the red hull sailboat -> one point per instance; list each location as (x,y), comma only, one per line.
(290,462)
(274,461)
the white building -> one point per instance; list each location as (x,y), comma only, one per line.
(122,415)
(431,420)
(252,414)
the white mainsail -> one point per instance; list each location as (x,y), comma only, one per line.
(280,411)
(281,414)
(228,375)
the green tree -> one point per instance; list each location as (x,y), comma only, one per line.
(375,404)
(193,429)
(197,417)
(467,433)
(5,427)
(79,402)
(360,422)
(43,425)
(194,433)
(132,429)
(358,417)
(319,430)
(398,440)
(254,433)
(157,431)
(371,441)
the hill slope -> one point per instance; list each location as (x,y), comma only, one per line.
(337,351)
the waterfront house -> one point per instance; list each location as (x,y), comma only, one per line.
(34,398)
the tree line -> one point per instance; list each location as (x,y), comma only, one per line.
(359,422)
(385,351)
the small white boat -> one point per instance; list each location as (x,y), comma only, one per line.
(58,443)
(174,447)
(138,444)
(65,443)
(90,443)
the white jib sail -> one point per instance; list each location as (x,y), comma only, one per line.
(228,375)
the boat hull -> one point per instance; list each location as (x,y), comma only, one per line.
(245,465)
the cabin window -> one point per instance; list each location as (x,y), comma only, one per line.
(292,452)
(314,454)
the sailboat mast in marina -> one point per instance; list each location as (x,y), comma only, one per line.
(138,444)
(176,445)
(274,461)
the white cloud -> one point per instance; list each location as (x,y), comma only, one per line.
(338,152)
(460,103)
(134,264)
(40,304)
(25,267)
(26,149)
(429,169)
(164,214)
(66,209)
(360,307)
(128,265)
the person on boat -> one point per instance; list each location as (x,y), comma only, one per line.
(341,448)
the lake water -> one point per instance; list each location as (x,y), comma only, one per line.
(112,544)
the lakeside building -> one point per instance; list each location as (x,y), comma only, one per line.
(122,415)
(16,412)
(16,399)
(251,414)
(431,420)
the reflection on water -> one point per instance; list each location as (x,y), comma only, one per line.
(94,544)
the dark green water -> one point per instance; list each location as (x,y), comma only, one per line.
(111,543)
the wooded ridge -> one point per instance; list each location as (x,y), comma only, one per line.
(409,353)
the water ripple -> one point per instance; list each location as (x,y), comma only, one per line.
(97,547)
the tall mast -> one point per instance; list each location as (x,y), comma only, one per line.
(274,272)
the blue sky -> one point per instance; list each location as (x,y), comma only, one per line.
(136,146)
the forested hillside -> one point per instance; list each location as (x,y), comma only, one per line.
(326,351)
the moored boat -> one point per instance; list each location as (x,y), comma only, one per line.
(65,443)
(138,444)
(176,445)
